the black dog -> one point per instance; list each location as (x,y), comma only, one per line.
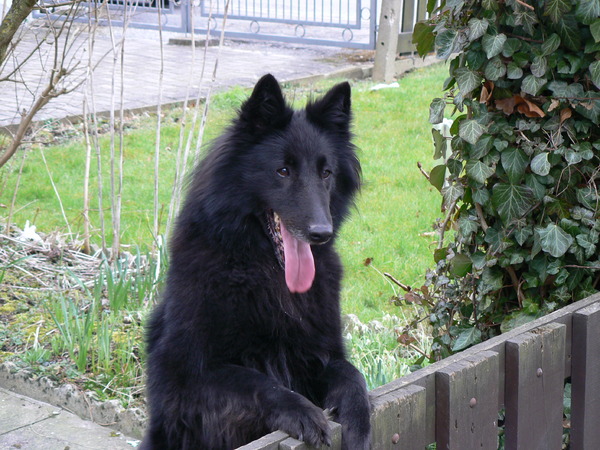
(247,339)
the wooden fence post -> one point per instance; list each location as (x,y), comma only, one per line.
(534,387)
(387,41)
(585,379)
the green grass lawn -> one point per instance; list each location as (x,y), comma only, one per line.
(396,206)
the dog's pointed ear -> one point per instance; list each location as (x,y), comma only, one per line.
(265,108)
(333,111)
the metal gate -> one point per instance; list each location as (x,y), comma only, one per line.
(341,23)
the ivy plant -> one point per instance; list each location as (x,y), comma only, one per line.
(520,182)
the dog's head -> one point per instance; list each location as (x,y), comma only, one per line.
(304,171)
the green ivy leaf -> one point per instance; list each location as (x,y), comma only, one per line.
(477,28)
(445,42)
(482,147)
(452,193)
(514,161)
(568,30)
(436,110)
(424,38)
(471,131)
(555,9)
(512,201)
(587,11)
(539,66)
(437,176)
(522,234)
(551,44)
(554,240)
(595,73)
(460,265)
(493,44)
(511,46)
(540,164)
(478,171)
(513,72)
(439,144)
(467,338)
(495,69)
(467,80)
(587,243)
(595,30)
(532,85)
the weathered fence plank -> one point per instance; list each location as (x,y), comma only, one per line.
(295,444)
(534,387)
(585,379)
(269,442)
(467,403)
(398,420)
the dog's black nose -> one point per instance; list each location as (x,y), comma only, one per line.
(319,234)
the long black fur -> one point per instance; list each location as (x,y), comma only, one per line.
(232,354)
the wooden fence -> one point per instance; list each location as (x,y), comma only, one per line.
(456,402)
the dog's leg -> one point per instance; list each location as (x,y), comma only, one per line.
(347,396)
(231,405)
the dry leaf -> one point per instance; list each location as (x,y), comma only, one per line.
(553,105)
(528,108)
(565,113)
(507,105)
(486,92)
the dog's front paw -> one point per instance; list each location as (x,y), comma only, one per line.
(303,421)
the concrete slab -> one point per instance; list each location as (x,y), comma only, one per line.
(28,424)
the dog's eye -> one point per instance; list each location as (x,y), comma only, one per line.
(283,172)
(325,174)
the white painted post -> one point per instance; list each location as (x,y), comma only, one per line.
(387,41)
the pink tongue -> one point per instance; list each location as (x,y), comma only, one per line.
(299,263)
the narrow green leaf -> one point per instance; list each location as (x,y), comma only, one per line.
(540,164)
(467,80)
(436,110)
(555,9)
(478,171)
(595,73)
(471,131)
(493,44)
(554,240)
(514,161)
(532,85)
(512,201)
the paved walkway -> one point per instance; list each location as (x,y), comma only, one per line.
(183,73)
(27,424)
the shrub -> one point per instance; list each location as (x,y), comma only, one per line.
(519,183)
